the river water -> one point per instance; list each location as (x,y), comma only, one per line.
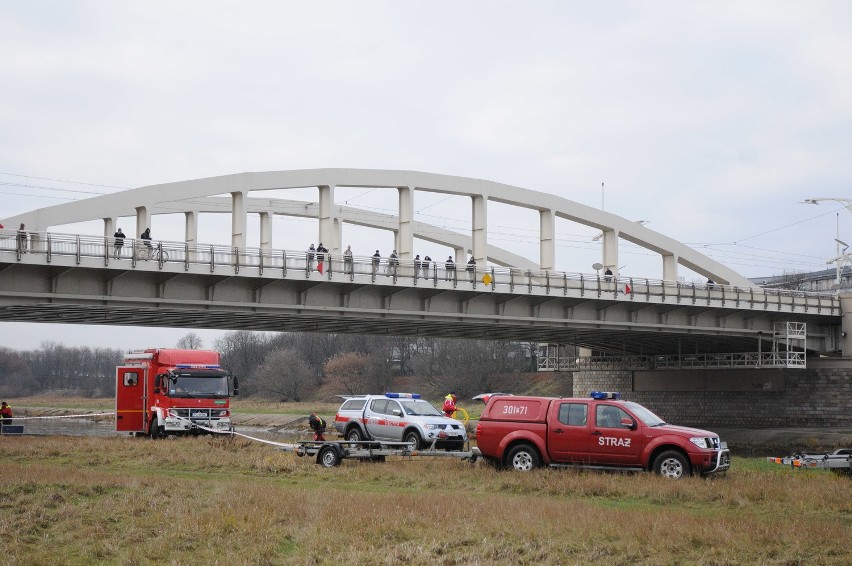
(105,426)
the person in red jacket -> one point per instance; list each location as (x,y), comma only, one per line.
(450,404)
(5,414)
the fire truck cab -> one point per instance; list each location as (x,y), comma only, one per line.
(159,392)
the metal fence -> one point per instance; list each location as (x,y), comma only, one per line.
(132,252)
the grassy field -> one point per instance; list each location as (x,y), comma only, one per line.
(123,500)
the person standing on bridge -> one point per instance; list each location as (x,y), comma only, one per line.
(5,414)
(119,243)
(22,238)
(471,269)
(312,252)
(347,260)
(377,259)
(450,269)
(426,261)
(393,263)
(146,239)
(417,264)
(608,275)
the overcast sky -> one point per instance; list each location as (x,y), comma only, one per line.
(709,120)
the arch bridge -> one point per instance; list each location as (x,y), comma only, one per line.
(48,276)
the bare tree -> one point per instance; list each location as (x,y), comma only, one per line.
(791,280)
(190,341)
(348,372)
(284,374)
(470,367)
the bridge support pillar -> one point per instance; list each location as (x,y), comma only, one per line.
(846,324)
(238,220)
(405,234)
(479,234)
(610,250)
(142,220)
(109,227)
(670,267)
(547,235)
(190,227)
(265,231)
(326,219)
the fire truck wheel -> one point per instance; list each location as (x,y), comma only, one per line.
(523,458)
(154,429)
(328,457)
(412,437)
(672,464)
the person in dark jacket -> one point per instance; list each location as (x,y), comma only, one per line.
(317,425)
(119,243)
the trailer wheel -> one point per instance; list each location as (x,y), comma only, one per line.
(328,457)
(412,437)
(672,464)
(523,458)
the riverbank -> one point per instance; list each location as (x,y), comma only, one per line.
(293,418)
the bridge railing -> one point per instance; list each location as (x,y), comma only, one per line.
(479,278)
(733,360)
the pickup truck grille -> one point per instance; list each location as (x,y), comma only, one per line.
(452,426)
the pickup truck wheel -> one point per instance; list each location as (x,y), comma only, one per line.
(672,464)
(523,458)
(354,435)
(412,437)
(328,457)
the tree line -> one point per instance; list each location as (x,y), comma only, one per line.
(291,366)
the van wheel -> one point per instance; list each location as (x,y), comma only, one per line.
(328,457)
(672,464)
(523,458)
(354,435)
(412,437)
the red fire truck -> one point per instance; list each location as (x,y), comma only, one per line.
(163,391)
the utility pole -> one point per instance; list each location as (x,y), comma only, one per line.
(841,257)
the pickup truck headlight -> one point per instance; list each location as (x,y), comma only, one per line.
(700,441)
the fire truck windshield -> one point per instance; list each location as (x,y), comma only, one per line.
(204,386)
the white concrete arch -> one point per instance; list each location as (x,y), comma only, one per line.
(181,195)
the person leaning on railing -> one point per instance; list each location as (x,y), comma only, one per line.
(22,238)
(146,238)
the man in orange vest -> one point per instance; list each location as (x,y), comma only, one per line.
(450,404)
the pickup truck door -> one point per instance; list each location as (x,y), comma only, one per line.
(393,420)
(567,432)
(373,418)
(381,422)
(612,442)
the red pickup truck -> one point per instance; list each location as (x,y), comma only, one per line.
(601,431)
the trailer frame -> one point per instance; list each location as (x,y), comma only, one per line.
(839,461)
(330,453)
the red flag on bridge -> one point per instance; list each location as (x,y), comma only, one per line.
(320,267)
(627,289)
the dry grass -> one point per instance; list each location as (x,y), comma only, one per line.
(122,500)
